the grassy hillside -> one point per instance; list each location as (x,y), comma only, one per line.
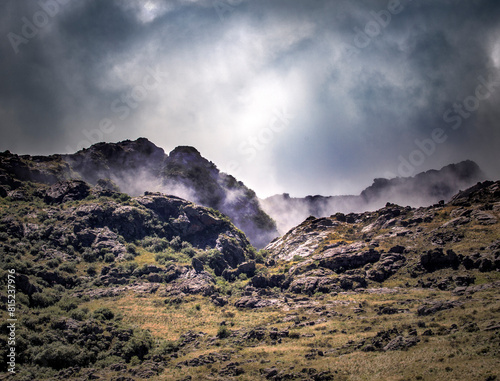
(117,288)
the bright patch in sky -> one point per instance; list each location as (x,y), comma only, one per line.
(222,77)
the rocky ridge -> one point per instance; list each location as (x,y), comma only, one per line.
(139,166)
(423,189)
(344,252)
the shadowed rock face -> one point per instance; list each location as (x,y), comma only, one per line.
(103,224)
(139,166)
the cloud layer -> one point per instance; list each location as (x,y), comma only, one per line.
(313,97)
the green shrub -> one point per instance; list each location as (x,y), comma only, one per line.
(223,332)
(128,257)
(68,304)
(128,267)
(103,313)
(79,314)
(259,258)
(139,345)
(89,255)
(188,250)
(21,267)
(163,258)
(176,243)
(155,244)
(131,248)
(203,257)
(251,251)
(108,360)
(59,356)
(44,299)
(53,263)
(167,348)
(91,270)
(123,197)
(109,258)
(69,267)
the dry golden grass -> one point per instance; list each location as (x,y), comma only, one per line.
(456,356)
(144,257)
(447,355)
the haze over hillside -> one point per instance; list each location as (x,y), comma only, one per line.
(424,189)
(139,166)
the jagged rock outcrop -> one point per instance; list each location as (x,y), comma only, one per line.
(100,227)
(344,252)
(437,259)
(136,167)
(433,185)
(67,191)
(388,265)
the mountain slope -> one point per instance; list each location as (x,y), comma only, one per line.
(155,287)
(425,188)
(139,166)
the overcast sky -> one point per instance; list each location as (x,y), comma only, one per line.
(304,97)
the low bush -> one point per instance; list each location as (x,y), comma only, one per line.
(223,332)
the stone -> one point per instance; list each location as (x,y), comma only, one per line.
(247,268)
(255,302)
(432,308)
(65,191)
(485,218)
(401,343)
(262,281)
(197,265)
(388,265)
(436,259)
(455,222)
(339,261)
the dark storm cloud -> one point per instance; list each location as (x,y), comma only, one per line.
(352,94)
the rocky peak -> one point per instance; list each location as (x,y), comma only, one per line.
(186,159)
(425,188)
(108,160)
(432,185)
(183,151)
(136,166)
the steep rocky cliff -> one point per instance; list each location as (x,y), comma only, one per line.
(139,166)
